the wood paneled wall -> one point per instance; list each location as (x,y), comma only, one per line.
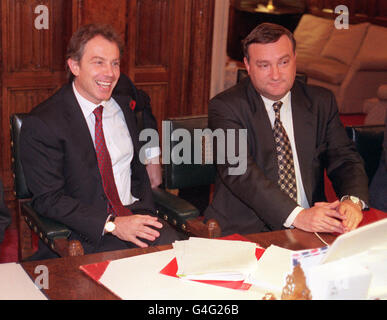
(168,54)
(32,66)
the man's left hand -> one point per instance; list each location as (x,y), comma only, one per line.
(352,214)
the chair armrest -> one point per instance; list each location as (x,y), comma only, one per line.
(172,208)
(53,233)
(183,215)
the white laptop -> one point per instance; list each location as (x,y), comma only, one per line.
(357,241)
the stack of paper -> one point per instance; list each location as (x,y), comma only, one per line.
(273,267)
(215,259)
(138,277)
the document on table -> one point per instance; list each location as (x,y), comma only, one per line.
(273,267)
(17,285)
(215,259)
(139,278)
(353,267)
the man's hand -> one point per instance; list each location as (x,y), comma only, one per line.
(322,217)
(130,228)
(351,214)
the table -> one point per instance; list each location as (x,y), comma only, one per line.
(68,282)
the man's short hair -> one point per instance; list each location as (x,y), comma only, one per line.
(266,33)
(84,34)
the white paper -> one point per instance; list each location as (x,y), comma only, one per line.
(375,261)
(359,240)
(338,280)
(226,276)
(15,284)
(198,258)
(309,258)
(139,278)
(273,267)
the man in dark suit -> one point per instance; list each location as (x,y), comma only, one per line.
(80,153)
(306,120)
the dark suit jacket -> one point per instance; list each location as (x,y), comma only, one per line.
(143,109)
(253,202)
(378,187)
(61,169)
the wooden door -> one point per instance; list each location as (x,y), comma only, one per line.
(168,49)
(168,54)
(32,62)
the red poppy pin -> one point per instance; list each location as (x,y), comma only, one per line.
(132,104)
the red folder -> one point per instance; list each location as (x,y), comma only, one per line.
(95,270)
(171,268)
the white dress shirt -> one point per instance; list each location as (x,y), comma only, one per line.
(287,122)
(118,142)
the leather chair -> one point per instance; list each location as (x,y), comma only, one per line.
(368,140)
(179,212)
(54,234)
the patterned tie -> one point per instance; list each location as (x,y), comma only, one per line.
(115,206)
(286,174)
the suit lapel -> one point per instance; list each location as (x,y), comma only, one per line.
(304,126)
(79,130)
(264,152)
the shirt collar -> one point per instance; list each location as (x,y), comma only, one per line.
(269,103)
(87,106)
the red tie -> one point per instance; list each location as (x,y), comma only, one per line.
(115,206)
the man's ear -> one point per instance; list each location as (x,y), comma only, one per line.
(246,65)
(74,66)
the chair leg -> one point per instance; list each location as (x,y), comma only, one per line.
(209,230)
(214,230)
(25,237)
(65,247)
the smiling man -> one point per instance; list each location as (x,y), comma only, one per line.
(293,134)
(80,154)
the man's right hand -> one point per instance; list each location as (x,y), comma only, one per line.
(322,217)
(131,228)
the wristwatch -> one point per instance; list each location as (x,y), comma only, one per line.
(110,226)
(354,199)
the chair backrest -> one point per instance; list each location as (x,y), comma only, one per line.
(368,140)
(20,185)
(189,173)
